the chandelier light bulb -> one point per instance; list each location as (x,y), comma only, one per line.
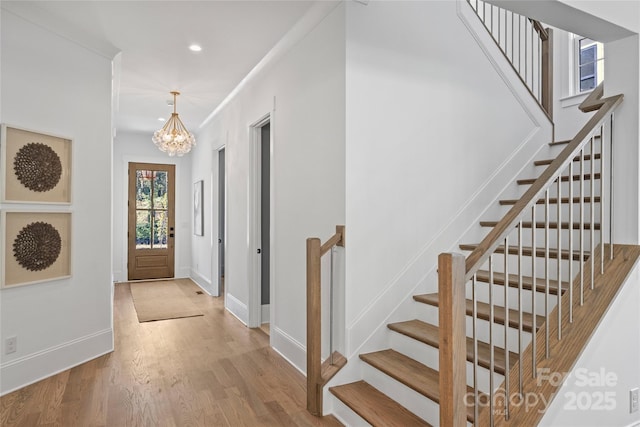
(174,138)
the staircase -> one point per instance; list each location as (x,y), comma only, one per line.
(558,268)
(379,409)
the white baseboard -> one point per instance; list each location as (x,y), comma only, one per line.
(117,276)
(203,282)
(237,308)
(183,272)
(293,351)
(32,368)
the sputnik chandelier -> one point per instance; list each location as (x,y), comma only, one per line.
(174,138)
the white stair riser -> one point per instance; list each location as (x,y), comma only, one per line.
(423,407)
(345,415)
(526,264)
(428,355)
(423,353)
(429,314)
(482,295)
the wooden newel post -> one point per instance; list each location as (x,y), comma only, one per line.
(314,375)
(453,344)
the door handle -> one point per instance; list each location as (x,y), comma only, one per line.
(259,251)
(219,240)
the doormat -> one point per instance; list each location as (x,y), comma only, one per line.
(160,301)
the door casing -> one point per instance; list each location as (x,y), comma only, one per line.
(254,260)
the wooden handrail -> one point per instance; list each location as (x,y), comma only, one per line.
(318,373)
(335,240)
(593,101)
(509,221)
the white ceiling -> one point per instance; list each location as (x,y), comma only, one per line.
(154,37)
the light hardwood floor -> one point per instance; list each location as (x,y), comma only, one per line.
(201,371)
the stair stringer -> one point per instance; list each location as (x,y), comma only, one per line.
(609,351)
(576,337)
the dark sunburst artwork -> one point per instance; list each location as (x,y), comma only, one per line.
(37,167)
(37,246)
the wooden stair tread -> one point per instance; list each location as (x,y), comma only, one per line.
(411,373)
(554,200)
(541,224)
(527,251)
(527,282)
(565,178)
(375,407)
(586,157)
(328,370)
(484,312)
(566,141)
(429,334)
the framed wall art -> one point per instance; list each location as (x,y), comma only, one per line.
(36,247)
(35,167)
(198,217)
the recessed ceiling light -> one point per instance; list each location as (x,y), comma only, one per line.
(162,119)
(195,48)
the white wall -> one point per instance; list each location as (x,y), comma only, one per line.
(612,355)
(137,147)
(622,70)
(434,132)
(52,85)
(304,93)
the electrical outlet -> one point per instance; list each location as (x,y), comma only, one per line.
(634,398)
(10,345)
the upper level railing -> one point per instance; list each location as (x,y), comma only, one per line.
(319,372)
(587,158)
(526,44)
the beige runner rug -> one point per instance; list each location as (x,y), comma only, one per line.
(161,300)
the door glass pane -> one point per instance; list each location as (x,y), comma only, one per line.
(160,229)
(152,202)
(143,229)
(143,189)
(160,182)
